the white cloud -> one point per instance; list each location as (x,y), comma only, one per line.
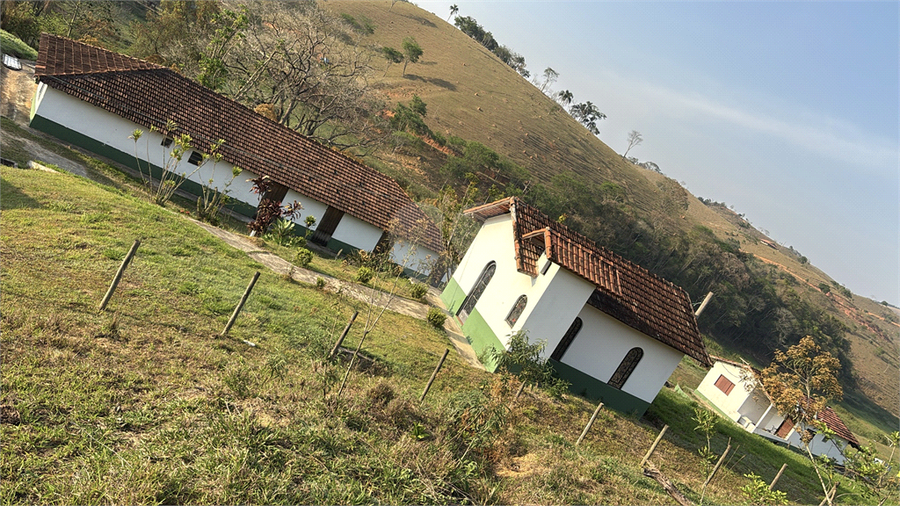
(823,136)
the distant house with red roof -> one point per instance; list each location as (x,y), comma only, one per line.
(612,329)
(95,99)
(732,389)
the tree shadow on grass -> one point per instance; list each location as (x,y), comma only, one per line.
(11,197)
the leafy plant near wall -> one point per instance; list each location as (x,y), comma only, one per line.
(524,359)
(270,210)
(169,180)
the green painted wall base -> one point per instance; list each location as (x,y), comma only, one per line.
(453,296)
(594,389)
(482,339)
(78,139)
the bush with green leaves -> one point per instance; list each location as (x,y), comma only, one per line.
(364,274)
(14,46)
(304,257)
(757,492)
(436,317)
(418,290)
(524,359)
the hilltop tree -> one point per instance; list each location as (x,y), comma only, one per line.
(550,76)
(565,97)
(453,10)
(411,51)
(588,115)
(634,138)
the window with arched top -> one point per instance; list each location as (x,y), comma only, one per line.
(468,304)
(625,369)
(567,340)
(516,310)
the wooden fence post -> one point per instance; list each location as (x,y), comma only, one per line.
(653,447)
(718,464)
(343,335)
(434,374)
(519,391)
(590,422)
(118,276)
(240,305)
(775,480)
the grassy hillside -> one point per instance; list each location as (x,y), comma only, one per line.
(471,94)
(146,403)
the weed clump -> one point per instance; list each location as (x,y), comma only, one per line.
(436,317)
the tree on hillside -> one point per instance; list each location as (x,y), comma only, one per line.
(392,56)
(412,51)
(565,97)
(453,10)
(549,77)
(634,138)
(588,115)
(800,382)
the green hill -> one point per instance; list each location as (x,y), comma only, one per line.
(473,95)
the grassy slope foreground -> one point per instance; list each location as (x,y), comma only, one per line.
(145,403)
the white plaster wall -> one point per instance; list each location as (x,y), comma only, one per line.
(604,341)
(819,446)
(114,131)
(415,257)
(310,207)
(730,403)
(495,242)
(553,304)
(357,233)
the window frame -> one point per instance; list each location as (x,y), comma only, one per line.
(517,309)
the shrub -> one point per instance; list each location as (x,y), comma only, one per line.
(364,274)
(304,257)
(14,46)
(436,317)
(418,290)
(320,283)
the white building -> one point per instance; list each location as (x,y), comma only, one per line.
(95,99)
(612,329)
(731,387)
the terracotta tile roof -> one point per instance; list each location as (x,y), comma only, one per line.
(834,422)
(625,291)
(150,95)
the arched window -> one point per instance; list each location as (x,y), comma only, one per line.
(516,310)
(625,369)
(566,340)
(469,303)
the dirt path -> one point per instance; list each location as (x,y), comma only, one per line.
(400,305)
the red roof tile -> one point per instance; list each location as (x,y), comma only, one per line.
(834,422)
(150,95)
(625,291)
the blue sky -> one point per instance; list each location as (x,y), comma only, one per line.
(787,111)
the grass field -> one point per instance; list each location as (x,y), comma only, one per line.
(146,403)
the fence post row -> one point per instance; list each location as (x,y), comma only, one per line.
(118,276)
(240,305)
